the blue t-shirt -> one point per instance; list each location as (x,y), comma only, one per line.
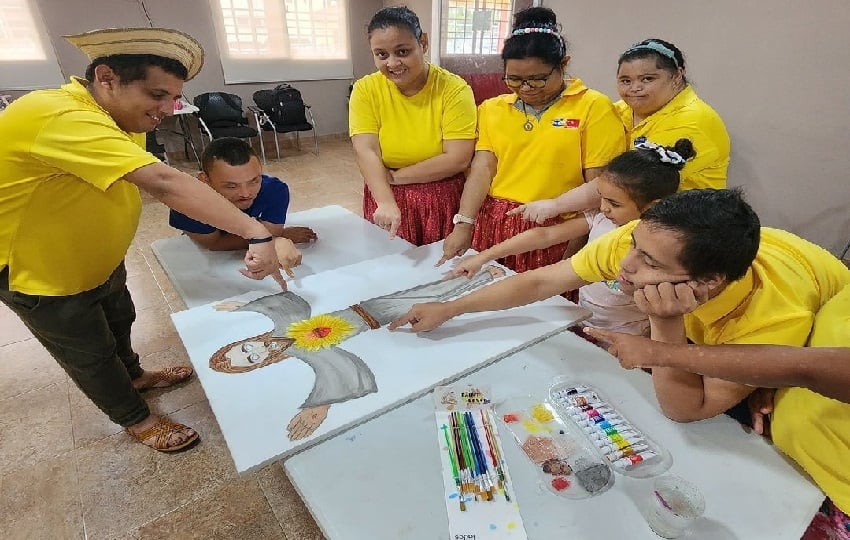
(270,205)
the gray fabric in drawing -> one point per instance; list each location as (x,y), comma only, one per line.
(386,309)
(340,375)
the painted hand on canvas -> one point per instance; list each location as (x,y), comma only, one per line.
(305,422)
(315,340)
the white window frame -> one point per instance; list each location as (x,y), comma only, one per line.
(485,26)
(267,33)
(32,63)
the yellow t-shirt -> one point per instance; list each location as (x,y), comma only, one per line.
(774,303)
(412,129)
(580,131)
(67,216)
(687,116)
(812,429)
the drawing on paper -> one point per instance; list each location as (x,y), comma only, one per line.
(340,376)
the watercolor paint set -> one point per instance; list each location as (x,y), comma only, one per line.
(577,440)
(625,447)
(566,461)
(479,497)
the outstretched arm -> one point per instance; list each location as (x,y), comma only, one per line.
(583,197)
(367,150)
(537,238)
(481,173)
(514,291)
(825,370)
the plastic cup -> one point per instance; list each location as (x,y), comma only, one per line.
(674,505)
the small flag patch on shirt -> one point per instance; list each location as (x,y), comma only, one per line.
(566,122)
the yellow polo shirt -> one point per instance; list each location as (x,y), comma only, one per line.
(412,129)
(687,116)
(580,131)
(67,216)
(812,429)
(774,303)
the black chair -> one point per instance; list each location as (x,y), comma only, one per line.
(281,110)
(220,115)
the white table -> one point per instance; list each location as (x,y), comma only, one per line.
(201,276)
(381,480)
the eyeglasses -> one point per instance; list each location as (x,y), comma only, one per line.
(534,82)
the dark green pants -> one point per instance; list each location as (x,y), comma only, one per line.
(89,335)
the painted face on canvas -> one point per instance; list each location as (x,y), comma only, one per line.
(248,354)
(645,87)
(139,106)
(653,259)
(239,184)
(400,57)
(615,202)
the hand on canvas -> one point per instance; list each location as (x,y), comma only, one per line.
(229,305)
(300,235)
(537,211)
(387,217)
(287,254)
(760,404)
(468,266)
(261,261)
(456,243)
(424,317)
(632,351)
(306,422)
(669,300)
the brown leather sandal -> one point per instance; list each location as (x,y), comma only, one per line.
(161,432)
(169,376)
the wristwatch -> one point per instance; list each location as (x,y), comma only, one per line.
(460,218)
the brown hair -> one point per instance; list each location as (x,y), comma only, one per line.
(220,362)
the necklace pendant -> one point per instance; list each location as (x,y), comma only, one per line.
(528,126)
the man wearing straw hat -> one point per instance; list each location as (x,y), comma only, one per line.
(73,161)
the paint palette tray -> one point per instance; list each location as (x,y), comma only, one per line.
(627,449)
(567,463)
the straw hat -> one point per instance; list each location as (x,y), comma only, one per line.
(158,41)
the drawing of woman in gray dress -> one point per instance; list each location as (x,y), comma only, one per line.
(339,374)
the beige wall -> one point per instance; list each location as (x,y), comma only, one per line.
(328,98)
(777,72)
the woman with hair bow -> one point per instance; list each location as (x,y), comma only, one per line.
(660,106)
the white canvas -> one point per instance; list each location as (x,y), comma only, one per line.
(201,276)
(254,408)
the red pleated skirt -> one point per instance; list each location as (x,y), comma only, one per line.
(493,226)
(426,209)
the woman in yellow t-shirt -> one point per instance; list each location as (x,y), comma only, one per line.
(550,135)
(659,105)
(412,125)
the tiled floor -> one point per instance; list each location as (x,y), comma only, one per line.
(67,472)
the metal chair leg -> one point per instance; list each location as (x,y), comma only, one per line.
(276,145)
(262,147)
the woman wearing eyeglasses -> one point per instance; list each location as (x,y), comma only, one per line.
(658,104)
(551,135)
(412,125)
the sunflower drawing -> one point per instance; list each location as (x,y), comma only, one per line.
(320,332)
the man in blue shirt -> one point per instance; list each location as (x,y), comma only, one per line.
(231,167)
